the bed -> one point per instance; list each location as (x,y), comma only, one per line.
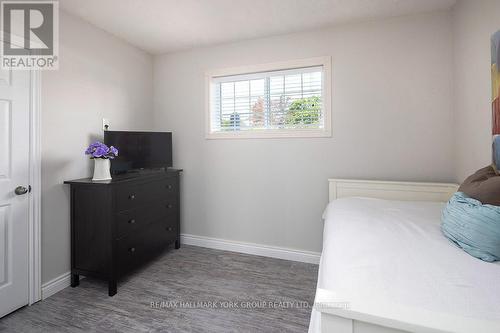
(386,267)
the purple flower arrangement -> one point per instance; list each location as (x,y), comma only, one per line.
(100,150)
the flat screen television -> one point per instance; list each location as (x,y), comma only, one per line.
(139,150)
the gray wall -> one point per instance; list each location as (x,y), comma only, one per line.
(392,119)
(99,76)
(474,23)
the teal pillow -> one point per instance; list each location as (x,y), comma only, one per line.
(472,226)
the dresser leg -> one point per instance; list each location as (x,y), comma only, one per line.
(75,280)
(112,287)
(177,244)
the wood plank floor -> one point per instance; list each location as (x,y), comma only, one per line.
(189,277)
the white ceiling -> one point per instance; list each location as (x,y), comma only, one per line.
(160,26)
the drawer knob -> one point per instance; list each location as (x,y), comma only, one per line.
(132,249)
(169,206)
(131,197)
(132,221)
(169,186)
(170,228)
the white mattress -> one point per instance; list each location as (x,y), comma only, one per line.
(393,252)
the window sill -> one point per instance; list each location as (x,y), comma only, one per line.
(270,134)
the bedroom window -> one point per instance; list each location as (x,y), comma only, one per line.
(289,99)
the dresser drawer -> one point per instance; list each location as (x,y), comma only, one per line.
(136,195)
(136,248)
(130,221)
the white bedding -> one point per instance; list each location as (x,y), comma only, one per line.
(393,252)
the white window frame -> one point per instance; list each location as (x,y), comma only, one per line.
(325,62)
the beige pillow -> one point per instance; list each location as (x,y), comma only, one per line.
(484,185)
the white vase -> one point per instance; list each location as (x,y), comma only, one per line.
(102,168)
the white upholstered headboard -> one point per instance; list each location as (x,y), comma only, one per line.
(408,191)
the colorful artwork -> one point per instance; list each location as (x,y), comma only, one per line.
(495,85)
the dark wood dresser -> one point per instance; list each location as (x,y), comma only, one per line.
(118,225)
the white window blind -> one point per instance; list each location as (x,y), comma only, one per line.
(283,100)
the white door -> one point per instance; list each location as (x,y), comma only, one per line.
(14,173)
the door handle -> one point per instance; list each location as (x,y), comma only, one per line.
(20,190)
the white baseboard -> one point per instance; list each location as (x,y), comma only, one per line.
(56,285)
(64,280)
(251,248)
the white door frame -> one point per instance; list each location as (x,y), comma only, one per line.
(35,177)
